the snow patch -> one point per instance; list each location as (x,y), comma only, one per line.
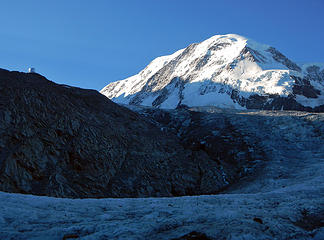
(310,102)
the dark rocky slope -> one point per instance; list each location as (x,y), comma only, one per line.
(64,141)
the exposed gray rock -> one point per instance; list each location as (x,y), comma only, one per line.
(64,141)
(279,57)
(211,134)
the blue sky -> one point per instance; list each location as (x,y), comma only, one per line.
(91,43)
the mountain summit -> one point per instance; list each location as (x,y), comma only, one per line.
(228,71)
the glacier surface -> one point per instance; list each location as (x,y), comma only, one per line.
(283,200)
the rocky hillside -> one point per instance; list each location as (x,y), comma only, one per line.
(227,71)
(63,141)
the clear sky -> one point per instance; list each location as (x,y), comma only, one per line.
(89,43)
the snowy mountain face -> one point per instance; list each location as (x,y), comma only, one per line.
(227,71)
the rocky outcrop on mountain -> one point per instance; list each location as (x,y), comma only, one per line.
(214,134)
(63,141)
(227,71)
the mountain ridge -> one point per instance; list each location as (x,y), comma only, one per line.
(227,71)
(63,141)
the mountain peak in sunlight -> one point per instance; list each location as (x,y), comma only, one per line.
(227,71)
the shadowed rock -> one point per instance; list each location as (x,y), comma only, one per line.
(63,141)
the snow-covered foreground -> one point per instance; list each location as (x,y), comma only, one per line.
(29,217)
(285,200)
(228,215)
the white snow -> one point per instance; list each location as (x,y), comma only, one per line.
(133,84)
(193,98)
(304,66)
(172,101)
(148,100)
(310,102)
(217,60)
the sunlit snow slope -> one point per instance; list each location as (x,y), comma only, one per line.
(227,71)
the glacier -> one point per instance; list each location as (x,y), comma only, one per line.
(285,200)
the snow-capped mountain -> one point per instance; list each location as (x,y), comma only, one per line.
(227,71)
